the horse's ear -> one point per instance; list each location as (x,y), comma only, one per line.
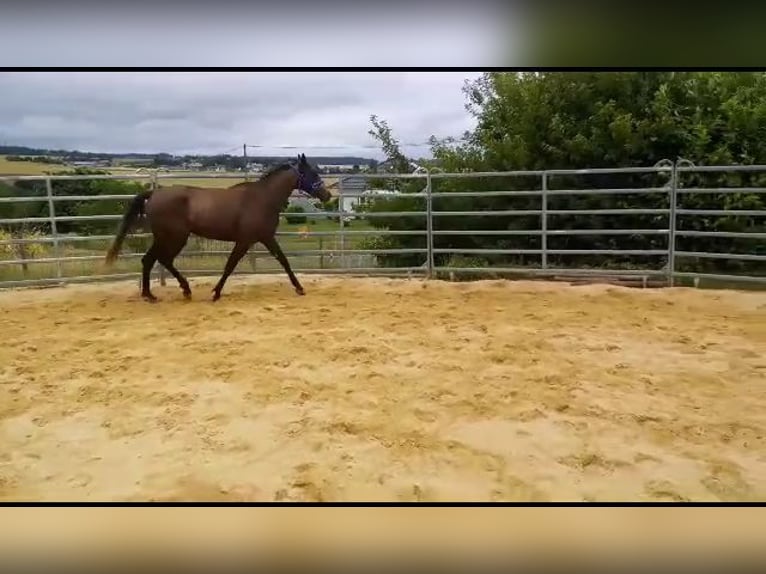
(302,157)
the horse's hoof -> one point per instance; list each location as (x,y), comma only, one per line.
(150,298)
(300,291)
(187,296)
(216,296)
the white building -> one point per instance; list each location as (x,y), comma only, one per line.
(335,167)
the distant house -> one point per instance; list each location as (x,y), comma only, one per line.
(91,163)
(351,188)
(133,161)
(337,168)
(388,167)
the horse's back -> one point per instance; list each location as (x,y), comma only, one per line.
(168,200)
(173,197)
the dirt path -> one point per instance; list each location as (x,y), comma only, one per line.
(382,389)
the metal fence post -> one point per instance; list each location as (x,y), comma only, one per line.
(429,227)
(340,219)
(321,253)
(672,225)
(544,222)
(54,227)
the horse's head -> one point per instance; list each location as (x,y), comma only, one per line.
(310,181)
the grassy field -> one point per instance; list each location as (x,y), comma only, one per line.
(183,177)
(27,167)
(215,182)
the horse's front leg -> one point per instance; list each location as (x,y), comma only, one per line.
(276,251)
(240,248)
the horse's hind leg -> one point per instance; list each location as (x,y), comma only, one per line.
(166,256)
(182,282)
(147,262)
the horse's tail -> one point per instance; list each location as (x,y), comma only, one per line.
(134,211)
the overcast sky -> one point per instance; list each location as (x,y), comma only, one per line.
(217,112)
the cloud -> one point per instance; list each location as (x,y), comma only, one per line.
(236,34)
(213,112)
(210,112)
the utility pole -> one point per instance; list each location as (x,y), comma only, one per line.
(244,157)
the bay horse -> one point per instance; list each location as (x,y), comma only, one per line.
(245,213)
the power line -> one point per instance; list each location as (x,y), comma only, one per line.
(240,149)
(348,146)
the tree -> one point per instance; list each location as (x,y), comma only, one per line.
(400,164)
(292,217)
(382,132)
(535,121)
(599,119)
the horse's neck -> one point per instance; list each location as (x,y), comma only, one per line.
(279,189)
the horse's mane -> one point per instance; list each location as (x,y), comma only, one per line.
(265,176)
(275,170)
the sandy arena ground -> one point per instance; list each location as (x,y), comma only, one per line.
(382,389)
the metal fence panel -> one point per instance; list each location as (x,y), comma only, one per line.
(341,246)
